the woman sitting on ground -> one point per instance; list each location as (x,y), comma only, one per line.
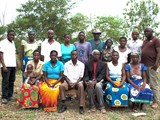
(49,90)
(116,92)
(139,91)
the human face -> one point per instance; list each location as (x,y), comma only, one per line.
(135,58)
(53,56)
(135,35)
(96,36)
(36,56)
(81,37)
(96,56)
(66,39)
(115,56)
(148,32)
(108,43)
(122,42)
(11,36)
(74,55)
(29,69)
(31,36)
(50,34)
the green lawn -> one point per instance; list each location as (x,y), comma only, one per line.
(11,112)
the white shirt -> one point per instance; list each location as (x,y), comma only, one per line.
(74,72)
(46,48)
(9,52)
(135,46)
(122,55)
(115,71)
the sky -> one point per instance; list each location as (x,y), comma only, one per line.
(86,7)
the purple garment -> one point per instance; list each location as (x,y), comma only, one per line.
(84,51)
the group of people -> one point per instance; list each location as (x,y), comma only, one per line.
(126,72)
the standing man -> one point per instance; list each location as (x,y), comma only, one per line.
(83,48)
(135,44)
(150,57)
(73,73)
(8,68)
(94,75)
(96,43)
(48,45)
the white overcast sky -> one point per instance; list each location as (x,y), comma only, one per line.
(86,7)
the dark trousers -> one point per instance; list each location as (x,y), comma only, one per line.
(8,79)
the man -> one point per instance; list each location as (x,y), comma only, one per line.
(150,57)
(73,74)
(8,68)
(83,48)
(135,44)
(95,72)
(96,43)
(48,45)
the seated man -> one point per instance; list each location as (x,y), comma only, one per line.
(94,74)
(73,73)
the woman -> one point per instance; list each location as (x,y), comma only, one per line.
(136,76)
(123,51)
(28,96)
(27,48)
(107,53)
(49,90)
(116,92)
(66,49)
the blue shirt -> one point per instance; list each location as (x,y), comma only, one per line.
(53,72)
(66,52)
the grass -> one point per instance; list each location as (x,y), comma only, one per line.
(11,112)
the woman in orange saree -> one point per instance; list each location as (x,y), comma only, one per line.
(49,90)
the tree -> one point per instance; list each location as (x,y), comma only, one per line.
(111,27)
(41,15)
(140,15)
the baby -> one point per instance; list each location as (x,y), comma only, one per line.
(30,75)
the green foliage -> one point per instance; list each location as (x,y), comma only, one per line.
(111,27)
(2,32)
(41,15)
(140,15)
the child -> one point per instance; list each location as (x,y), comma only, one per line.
(30,75)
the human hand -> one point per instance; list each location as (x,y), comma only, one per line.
(5,69)
(143,87)
(72,85)
(91,84)
(137,88)
(155,67)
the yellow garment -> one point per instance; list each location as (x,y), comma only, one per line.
(29,48)
(39,66)
(49,95)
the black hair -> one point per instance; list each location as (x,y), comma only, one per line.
(66,35)
(37,51)
(80,33)
(110,40)
(115,52)
(11,30)
(73,51)
(123,38)
(54,51)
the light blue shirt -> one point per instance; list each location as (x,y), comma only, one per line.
(53,72)
(66,52)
